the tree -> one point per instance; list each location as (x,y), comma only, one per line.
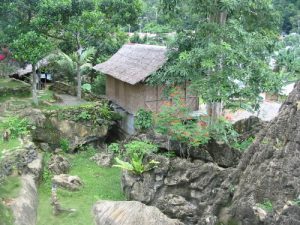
(287,57)
(224,56)
(31,48)
(76,65)
(290,13)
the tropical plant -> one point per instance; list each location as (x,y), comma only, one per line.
(136,152)
(98,85)
(76,65)
(143,120)
(86,87)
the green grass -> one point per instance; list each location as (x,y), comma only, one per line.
(9,145)
(9,189)
(99,184)
(10,83)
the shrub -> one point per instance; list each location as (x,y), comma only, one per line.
(114,148)
(65,145)
(223,131)
(84,115)
(175,121)
(143,120)
(16,126)
(136,152)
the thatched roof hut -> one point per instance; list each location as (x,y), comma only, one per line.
(126,72)
(133,63)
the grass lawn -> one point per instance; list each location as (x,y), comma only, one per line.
(8,190)
(99,184)
(10,83)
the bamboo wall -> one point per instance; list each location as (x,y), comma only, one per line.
(134,97)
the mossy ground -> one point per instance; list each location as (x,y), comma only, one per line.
(99,184)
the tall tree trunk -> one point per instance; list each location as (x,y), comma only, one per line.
(34,91)
(78,83)
(214,111)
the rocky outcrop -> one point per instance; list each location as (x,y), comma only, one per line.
(249,127)
(269,171)
(219,153)
(71,183)
(178,187)
(59,165)
(24,207)
(77,126)
(129,213)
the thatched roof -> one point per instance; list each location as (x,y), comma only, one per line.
(133,63)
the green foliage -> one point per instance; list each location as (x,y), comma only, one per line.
(223,131)
(106,112)
(86,87)
(122,12)
(98,86)
(9,189)
(137,39)
(114,148)
(175,120)
(288,58)
(143,120)
(64,145)
(31,47)
(225,56)
(244,145)
(16,126)
(84,115)
(136,152)
(266,205)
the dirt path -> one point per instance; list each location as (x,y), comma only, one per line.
(69,100)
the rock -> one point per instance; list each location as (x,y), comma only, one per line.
(59,165)
(179,188)
(220,153)
(24,207)
(45,147)
(103,159)
(269,170)
(35,168)
(249,127)
(129,213)
(34,116)
(77,133)
(71,183)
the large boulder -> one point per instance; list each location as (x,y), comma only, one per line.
(129,213)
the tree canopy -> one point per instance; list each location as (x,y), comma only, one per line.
(225,55)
